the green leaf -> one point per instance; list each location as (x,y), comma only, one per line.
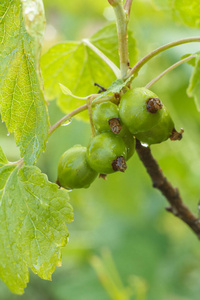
(115,87)
(187,11)
(33,212)
(22,103)
(192,61)
(107,41)
(194,85)
(77,66)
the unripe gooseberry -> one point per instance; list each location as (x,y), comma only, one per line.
(160,132)
(106,153)
(129,141)
(140,110)
(106,118)
(73,169)
(102,114)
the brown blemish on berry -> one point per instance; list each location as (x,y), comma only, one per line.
(153,105)
(119,164)
(103,176)
(115,125)
(176,136)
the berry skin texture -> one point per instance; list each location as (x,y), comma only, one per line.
(160,132)
(104,151)
(129,141)
(106,119)
(73,169)
(101,115)
(140,110)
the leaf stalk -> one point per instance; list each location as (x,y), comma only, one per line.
(111,65)
(180,62)
(78,111)
(134,71)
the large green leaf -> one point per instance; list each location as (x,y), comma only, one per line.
(185,11)
(77,66)
(194,85)
(106,40)
(22,103)
(33,213)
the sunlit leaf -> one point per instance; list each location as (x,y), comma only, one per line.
(78,67)
(67,92)
(191,61)
(106,40)
(33,212)
(187,11)
(115,87)
(194,85)
(22,103)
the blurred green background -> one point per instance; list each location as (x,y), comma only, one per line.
(121,229)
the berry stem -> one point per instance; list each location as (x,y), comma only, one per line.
(89,104)
(153,81)
(122,22)
(134,71)
(78,111)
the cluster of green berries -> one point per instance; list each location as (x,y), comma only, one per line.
(140,114)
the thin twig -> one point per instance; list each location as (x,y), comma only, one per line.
(67,117)
(127,7)
(110,64)
(177,207)
(79,110)
(153,81)
(146,58)
(18,163)
(90,115)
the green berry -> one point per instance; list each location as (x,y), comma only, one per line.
(129,141)
(160,132)
(140,110)
(101,115)
(106,153)
(73,169)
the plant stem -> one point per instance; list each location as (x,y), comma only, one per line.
(177,207)
(127,7)
(111,65)
(18,163)
(89,104)
(146,58)
(122,22)
(67,117)
(153,81)
(77,111)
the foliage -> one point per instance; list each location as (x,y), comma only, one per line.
(33,210)
(22,103)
